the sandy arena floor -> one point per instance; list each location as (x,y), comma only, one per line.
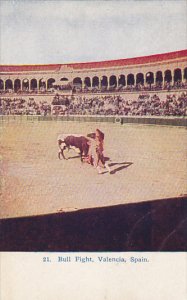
(147,163)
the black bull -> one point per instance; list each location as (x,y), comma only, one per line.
(72,141)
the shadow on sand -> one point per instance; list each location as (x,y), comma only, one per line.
(73,157)
(122,166)
(158,225)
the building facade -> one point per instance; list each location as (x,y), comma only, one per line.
(148,70)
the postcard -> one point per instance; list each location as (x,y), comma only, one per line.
(93,115)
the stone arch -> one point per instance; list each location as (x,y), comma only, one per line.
(8,84)
(87,82)
(33,84)
(121,80)
(1,84)
(104,81)
(130,79)
(167,76)
(177,75)
(149,78)
(140,78)
(25,84)
(185,74)
(159,77)
(77,81)
(65,82)
(42,84)
(95,81)
(113,81)
(17,85)
(50,83)
(64,79)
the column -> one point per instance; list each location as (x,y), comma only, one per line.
(100,83)
(135,79)
(163,79)
(144,77)
(182,73)
(82,84)
(117,81)
(37,82)
(107,83)
(154,78)
(172,77)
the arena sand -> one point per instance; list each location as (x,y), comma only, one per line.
(147,163)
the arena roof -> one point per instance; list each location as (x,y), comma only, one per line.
(102,64)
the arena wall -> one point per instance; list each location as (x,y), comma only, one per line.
(119,120)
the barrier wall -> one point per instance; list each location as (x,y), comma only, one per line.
(168,121)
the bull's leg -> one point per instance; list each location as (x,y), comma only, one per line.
(61,153)
(84,151)
(61,150)
(81,154)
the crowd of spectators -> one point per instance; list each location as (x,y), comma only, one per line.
(26,91)
(20,106)
(140,87)
(144,104)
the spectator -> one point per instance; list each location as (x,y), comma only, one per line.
(143,104)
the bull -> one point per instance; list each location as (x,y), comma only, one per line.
(73,141)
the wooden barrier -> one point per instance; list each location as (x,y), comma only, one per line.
(118,120)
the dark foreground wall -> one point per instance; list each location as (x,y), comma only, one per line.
(148,226)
